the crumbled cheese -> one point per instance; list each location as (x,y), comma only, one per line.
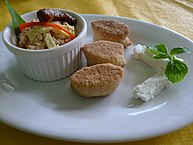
(151,87)
(155,84)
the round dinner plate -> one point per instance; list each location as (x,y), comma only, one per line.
(52,109)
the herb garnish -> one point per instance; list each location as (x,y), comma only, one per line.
(16,18)
(176,69)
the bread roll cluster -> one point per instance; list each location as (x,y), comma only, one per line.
(105,59)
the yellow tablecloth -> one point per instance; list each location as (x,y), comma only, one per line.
(174,14)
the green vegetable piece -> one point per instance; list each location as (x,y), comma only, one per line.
(153,50)
(176,70)
(16,19)
(179,50)
(160,51)
(161,48)
(161,56)
(50,43)
(37,31)
(33,33)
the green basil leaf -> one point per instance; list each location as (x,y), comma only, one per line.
(153,50)
(161,48)
(176,70)
(161,56)
(179,50)
(16,19)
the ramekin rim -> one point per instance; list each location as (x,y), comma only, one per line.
(73,42)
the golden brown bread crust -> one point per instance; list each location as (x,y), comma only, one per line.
(96,80)
(111,30)
(104,52)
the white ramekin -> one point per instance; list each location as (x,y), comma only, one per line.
(49,64)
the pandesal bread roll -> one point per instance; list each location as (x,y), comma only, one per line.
(96,80)
(111,30)
(104,52)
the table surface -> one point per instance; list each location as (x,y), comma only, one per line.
(174,14)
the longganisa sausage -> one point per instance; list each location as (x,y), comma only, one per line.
(48,15)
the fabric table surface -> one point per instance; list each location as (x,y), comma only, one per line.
(174,14)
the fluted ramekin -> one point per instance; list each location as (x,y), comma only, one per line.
(48,64)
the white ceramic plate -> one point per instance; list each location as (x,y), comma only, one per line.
(52,109)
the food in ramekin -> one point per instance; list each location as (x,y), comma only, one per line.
(111,30)
(104,52)
(53,28)
(97,80)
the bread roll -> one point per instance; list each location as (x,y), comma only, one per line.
(96,80)
(111,30)
(104,52)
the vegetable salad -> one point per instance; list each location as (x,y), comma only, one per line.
(52,29)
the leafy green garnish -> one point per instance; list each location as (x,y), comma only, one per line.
(176,69)
(160,51)
(16,18)
(178,50)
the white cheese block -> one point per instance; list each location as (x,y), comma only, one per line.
(151,87)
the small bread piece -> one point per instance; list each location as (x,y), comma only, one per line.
(111,30)
(96,80)
(104,52)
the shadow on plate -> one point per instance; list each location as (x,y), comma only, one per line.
(55,95)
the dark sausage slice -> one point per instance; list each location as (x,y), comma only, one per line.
(48,15)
